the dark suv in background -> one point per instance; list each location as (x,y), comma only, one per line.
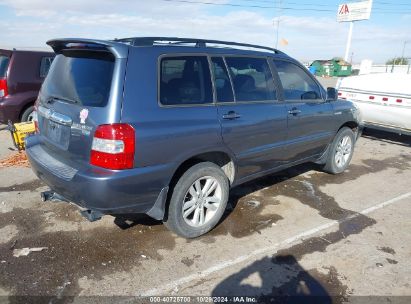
(21,76)
(165,126)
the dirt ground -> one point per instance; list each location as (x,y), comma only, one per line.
(344,238)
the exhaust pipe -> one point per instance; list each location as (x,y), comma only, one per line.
(52,197)
(91,215)
(46,196)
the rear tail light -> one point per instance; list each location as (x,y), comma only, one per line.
(113,147)
(385,99)
(339,93)
(4,91)
(371,97)
(399,100)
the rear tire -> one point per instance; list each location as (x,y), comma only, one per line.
(27,114)
(198,200)
(341,151)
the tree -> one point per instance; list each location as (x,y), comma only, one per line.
(398,61)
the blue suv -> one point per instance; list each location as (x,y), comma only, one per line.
(166,126)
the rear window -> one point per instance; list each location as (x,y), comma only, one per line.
(185,80)
(45,66)
(4,63)
(80,77)
(252,79)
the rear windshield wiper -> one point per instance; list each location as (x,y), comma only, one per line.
(52,99)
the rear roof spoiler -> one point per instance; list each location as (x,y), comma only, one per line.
(120,50)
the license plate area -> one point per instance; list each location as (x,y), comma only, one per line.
(58,134)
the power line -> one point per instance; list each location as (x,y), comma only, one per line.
(383,11)
(334,6)
(248,6)
(325,5)
(286,2)
(390,3)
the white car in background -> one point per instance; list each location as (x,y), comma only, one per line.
(384,100)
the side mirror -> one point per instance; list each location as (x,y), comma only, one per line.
(332,94)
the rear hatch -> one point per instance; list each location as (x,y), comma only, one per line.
(82,90)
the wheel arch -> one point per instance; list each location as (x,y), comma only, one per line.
(353,125)
(226,162)
(220,158)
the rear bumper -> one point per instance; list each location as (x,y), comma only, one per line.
(140,190)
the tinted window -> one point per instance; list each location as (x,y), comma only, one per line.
(296,82)
(45,66)
(252,79)
(222,82)
(4,63)
(185,80)
(81,78)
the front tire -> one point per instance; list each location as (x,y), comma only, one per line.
(341,151)
(198,200)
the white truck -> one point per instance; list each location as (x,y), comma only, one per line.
(384,100)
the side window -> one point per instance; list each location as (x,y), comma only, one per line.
(45,66)
(4,63)
(222,80)
(252,79)
(297,84)
(185,80)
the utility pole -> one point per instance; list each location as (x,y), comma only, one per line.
(278,22)
(403,51)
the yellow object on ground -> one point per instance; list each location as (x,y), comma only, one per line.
(19,131)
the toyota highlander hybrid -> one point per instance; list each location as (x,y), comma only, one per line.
(166,126)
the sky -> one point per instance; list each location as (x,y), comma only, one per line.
(309,26)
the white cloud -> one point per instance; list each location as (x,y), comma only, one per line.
(135,7)
(37,21)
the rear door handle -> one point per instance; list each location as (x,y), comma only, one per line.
(294,111)
(231,115)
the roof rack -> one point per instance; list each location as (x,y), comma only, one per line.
(151,41)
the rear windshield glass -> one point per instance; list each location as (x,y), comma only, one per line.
(4,63)
(81,78)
